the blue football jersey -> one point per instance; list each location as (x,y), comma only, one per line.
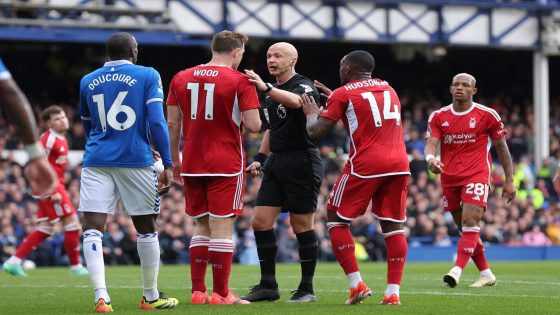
(4,73)
(116,98)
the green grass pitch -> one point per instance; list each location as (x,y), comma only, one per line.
(523,288)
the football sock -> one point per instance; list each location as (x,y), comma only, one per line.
(72,246)
(267,247)
(199,261)
(343,248)
(479,257)
(149,253)
(486,273)
(466,246)
(396,256)
(30,243)
(220,254)
(308,251)
(392,289)
(354,278)
(14,261)
(93,253)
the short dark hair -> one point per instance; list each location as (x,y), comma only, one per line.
(227,41)
(119,45)
(47,113)
(360,60)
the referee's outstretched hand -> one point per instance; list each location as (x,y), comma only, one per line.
(254,169)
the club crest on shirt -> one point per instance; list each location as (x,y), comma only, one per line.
(281,111)
(472,122)
(447,139)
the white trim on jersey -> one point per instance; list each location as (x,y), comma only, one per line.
(489,110)
(50,143)
(465,112)
(155,99)
(352,126)
(236,113)
(441,110)
(488,146)
(85,118)
(58,209)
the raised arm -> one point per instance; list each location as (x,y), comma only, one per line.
(285,98)
(317,127)
(504,156)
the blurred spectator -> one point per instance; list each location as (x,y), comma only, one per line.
(535,237)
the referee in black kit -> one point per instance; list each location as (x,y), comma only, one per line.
(293,173)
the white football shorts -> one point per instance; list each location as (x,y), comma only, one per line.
(135,187)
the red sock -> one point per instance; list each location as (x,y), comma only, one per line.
(72,246)
(199,261)
(467,245)
(30,243)
(343,246)
(396,255)
(479,257)
(220,255)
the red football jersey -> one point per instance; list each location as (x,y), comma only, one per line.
(212,99)
(56,147)
(371,112)
(465,139)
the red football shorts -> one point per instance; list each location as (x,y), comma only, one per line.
(351,196)
(218,196)
(454,196)
(53,212)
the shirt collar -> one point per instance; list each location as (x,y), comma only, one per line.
(58,135)
(117,63)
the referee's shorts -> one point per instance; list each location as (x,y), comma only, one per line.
(292,180)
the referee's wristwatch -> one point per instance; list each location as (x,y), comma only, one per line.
(269,87)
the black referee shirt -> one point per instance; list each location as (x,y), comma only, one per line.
(287,125)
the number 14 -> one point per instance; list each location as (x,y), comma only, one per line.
(387,113)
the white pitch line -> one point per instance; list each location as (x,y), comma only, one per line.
(525,296)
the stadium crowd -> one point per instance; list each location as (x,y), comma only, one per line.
(533,219)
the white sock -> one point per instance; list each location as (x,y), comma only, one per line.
(392,289)
(457,270)
(74,267)
(486,273)
(354,278)
(14,261)
(148,250)
(93,252)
